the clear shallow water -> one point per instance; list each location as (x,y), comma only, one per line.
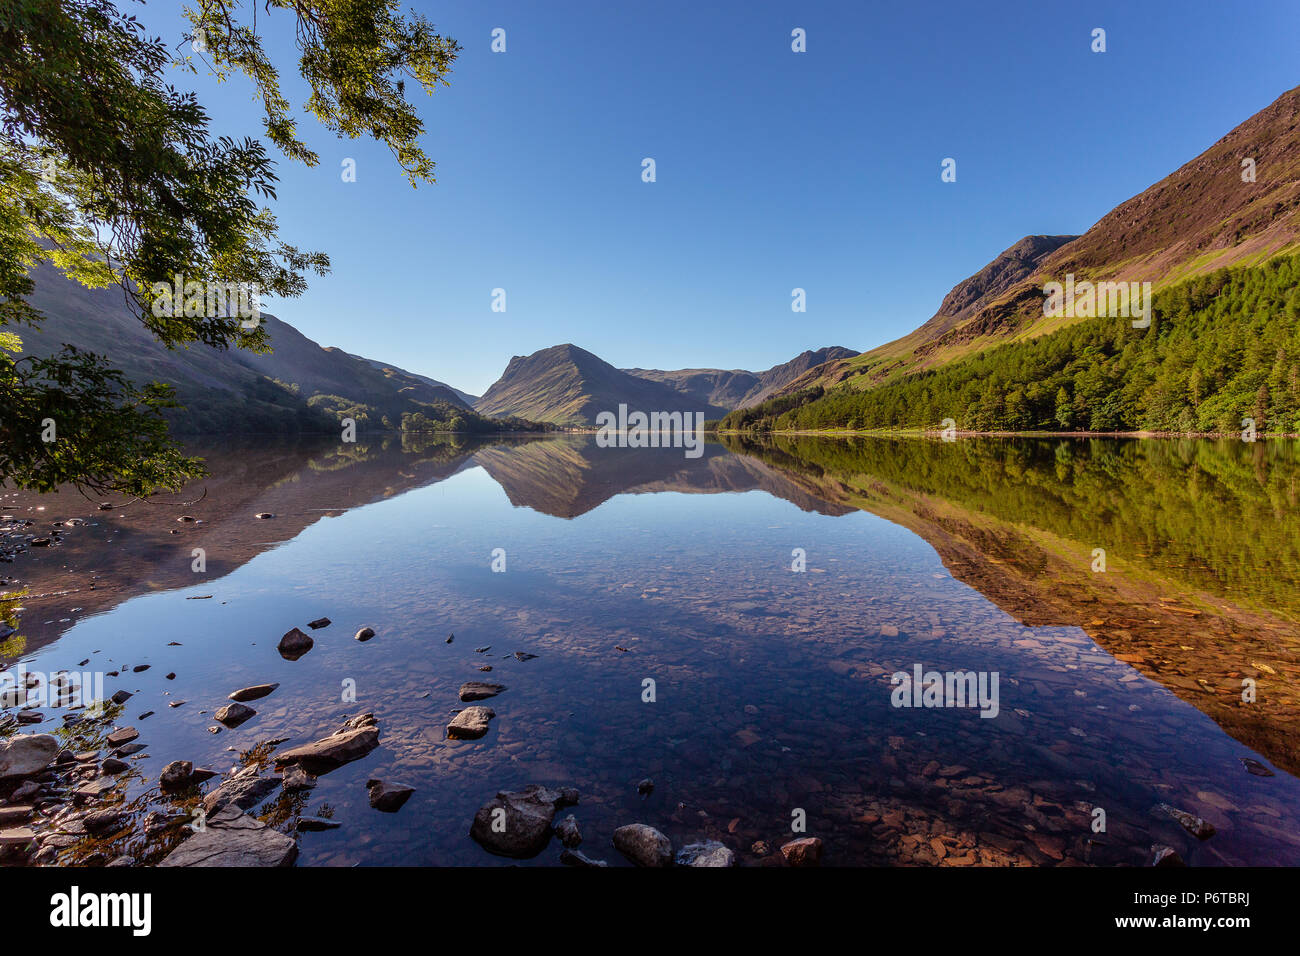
(772,687)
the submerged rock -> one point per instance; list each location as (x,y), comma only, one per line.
(518,823)
(709,853)
(471,723)
(1193,824)
(294,644)
(295,778)
(568,832)
(1165,856)
(233,838)
(644,845)
(357,737)
(1253,766)
(479,690)
(806,851)
(24,755)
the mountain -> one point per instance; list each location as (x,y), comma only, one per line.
(1200,218)
(466,398)
(738,388)
(298,386)
(568,385)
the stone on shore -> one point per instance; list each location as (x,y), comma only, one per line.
(233,838)
(643,845)
(357,737)
(24,755)
(295,778)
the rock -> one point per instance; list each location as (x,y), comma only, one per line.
(388,797)
(470,724)
(317,823)
(256,692)
(524,656)
(232,838)
(1165,856)
(450,638)
(320,622)
(518,823)
(102,822)
(242,793)
(30,717)
(17,836)
(96,788)
(568,832)
(123,860)
(294,644)
(645,787)
(29,790)
(479,690)
(12,815)
(264,515)
(232,715)
(140,668)
(578,858)
(24,755)
(113,765)
(176,775)
(643,845)
(356,738)
(708,853)
(126,751)
(119,737)
(1255,767)
(803,852)
(121,697)
(1193,824)
(364,634)
(295,778)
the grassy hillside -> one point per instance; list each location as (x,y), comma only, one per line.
(1221,347)
(1199,219)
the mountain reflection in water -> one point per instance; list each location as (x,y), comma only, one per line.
(1120,690)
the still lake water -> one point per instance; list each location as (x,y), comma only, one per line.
(1119,690)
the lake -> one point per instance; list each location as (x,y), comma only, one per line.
(728,628)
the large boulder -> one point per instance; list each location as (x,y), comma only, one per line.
(518,823)
(643,845)
(28,754)
(357,737)
(233,838)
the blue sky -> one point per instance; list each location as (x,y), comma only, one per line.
(775,169)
